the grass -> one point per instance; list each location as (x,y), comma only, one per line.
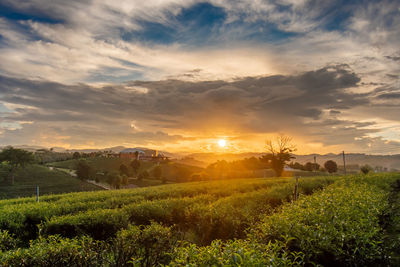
(49,182)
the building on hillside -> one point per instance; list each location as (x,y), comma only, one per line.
(144,155)
(131,153)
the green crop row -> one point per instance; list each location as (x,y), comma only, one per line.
(22,219)
(204,217)
(340,226)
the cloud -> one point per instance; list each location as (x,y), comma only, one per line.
(176,112)
(185,71)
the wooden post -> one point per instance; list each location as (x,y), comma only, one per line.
(37,193)
(344,163)
(296,189)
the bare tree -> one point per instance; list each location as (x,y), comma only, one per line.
(279,152)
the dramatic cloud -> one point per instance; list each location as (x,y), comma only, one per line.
(177,74)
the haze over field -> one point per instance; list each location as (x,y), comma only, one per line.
(181,76)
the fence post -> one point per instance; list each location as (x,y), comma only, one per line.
(37,193)
(296,189)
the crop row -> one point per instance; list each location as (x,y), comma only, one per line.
(22,217)
(219,214)
(340,226)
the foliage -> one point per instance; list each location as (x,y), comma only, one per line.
(279,152)
(123,170)
(135,164)
(7,241)
(144,245)
(157,172)
(309,166)
(56,251)
(143,175)
(331,166)
(76,155)
(222,169)
(49,182)
(339,226)
(237,253)
(366,169)
(114,180)
(16,158)
(336,221)
(84,171)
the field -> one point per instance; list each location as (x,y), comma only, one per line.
(50,182)
(172,171)
(348,220)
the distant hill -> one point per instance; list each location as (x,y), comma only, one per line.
(386,161)
(203,159)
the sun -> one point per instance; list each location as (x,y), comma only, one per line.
(222,142)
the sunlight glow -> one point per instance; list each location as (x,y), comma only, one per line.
(222,142)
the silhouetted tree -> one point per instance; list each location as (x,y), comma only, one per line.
(157,172)
(331,166)
(143,175)
(135,165)
(83,170)
(76,155)
(279,152)
(114,180)
(15,158)
(366,169)
(123,170)
(124,179)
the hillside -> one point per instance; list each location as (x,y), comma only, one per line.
(256,222)
(49,181)
(172,171)
(388,161)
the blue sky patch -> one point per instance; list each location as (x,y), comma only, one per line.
(13,14)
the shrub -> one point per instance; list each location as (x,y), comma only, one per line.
(337,226)
(331,166)
(55,251)
(144,245)
(7,241)
(236,253)
(366,169)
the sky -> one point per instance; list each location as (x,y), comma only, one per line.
(179,75)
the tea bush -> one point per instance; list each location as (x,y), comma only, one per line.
(337,226)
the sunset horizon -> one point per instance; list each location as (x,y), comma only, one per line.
(181,75)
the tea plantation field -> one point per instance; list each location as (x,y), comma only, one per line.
(49,182)
(336,221)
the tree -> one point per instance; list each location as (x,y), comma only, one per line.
(124,180)
(331,166)
(15,158)
(135,164)
(123,170)
(143,175)
(114,180)
(76,155)
(83,170)
(309,166)
(157,172)
(279,152)
(366,169)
